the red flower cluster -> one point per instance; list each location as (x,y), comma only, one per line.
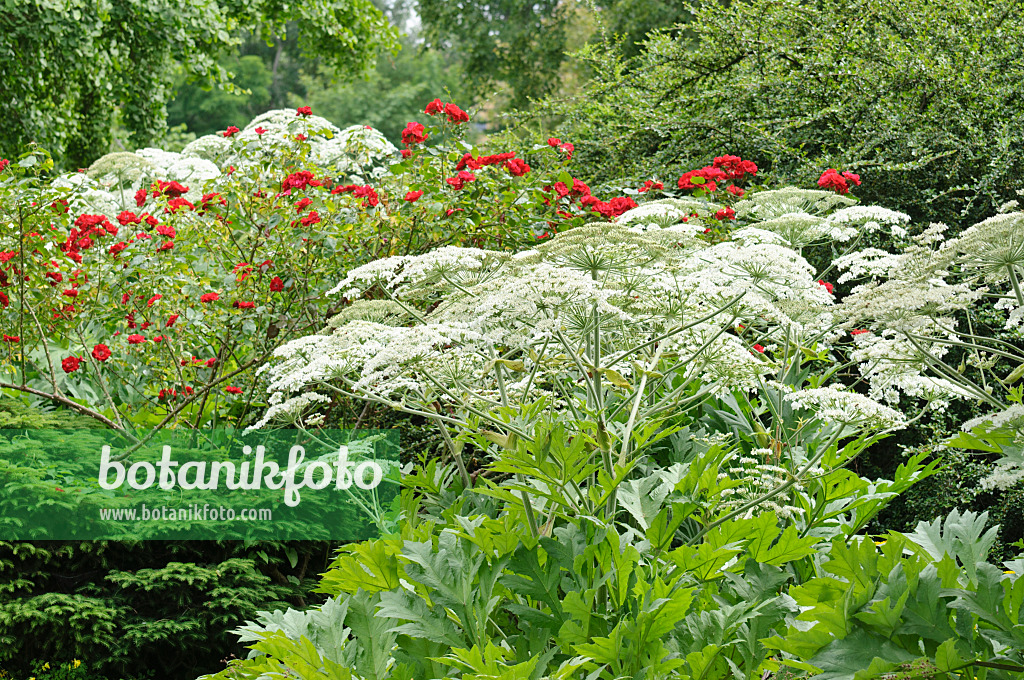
(3,166)
(81,237)
(453,112)
(832,179)
(414,133)
(467,160)
(309,220)
(209,297)
(723,168)
(231,389)
(650,184)
(101,352)
(168,189)
(230,131)
(828,286)
(71,364)
(725,213)
(244,305)
(612,208)
(276,284)
(299,180)
(11,338)
(460,179)
(578,190)
(136,339)
(304,111)
(413,196)
(734,166)
(175,204)
(517,167)
(567,147)
(363,191)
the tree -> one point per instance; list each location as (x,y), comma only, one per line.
(520,43)
(70,69)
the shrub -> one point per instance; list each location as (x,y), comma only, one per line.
(918,97)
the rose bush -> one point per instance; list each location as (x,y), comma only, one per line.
(146,290)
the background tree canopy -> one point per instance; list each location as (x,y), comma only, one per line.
(916,96)
(69,67)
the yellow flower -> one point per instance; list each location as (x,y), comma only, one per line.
(76,663)
(1009,571)
(880,542)
(46,666)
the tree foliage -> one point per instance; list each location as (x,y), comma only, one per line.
(515,42)
(69,68)
(920,98)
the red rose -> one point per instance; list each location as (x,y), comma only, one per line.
(759,349)
(259,131)
(140,197)
(71,293)
(168,189)
(3,166)
(230,131)
(312,218)
(176,204)
(367,192)
(153,300)
(433,108)
(70,364)
(706,178)
(209,297)
(554,142)
(12,338)
(297,180)
(735,190)
(831,179)
(171,320)
(301,205)
(455,114)
(414,133)
(650,184)
(101,352)
(852,178)
(517,167)
(4,300)
(725,213)
(167,245)
(304,111)
(136,339)
(828,286)
(276,284)
(413,196)
(406,153)
(244,305)
(301,137)
(210,362)
(231,389)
